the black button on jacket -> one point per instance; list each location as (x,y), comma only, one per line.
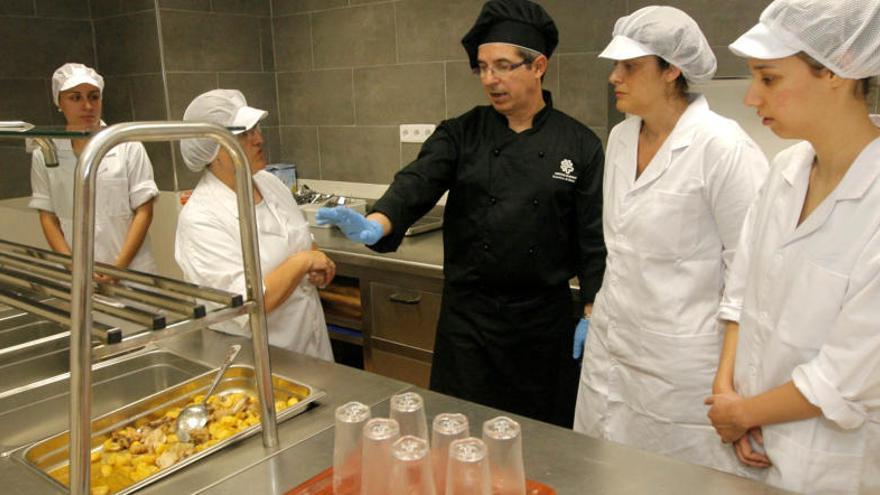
(537,191)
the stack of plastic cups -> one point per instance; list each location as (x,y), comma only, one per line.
(468,470)
(408,409)
(447,427)
(504,445)
(411,472)
(379,435)
(347,447)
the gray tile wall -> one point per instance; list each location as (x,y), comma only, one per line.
(129,58)
(212,44)
(337,76)
(350,71)
(38,36)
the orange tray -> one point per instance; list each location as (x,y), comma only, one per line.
(322,484)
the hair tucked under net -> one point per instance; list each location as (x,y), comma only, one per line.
(672,35)
(842,35)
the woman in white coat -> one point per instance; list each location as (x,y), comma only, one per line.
(125,186)
(801,371)
(208,243)
(678,181)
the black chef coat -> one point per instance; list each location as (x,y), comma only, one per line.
(523,216)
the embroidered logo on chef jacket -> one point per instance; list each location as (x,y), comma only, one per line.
(567,167)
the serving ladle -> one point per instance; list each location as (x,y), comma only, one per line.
(195,416)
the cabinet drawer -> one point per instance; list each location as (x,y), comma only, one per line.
(403,368)
(404,315)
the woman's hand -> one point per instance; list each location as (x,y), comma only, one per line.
(104,279)
(748,455)
(322,269)
(726,415)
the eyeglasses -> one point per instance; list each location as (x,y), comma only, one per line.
(250,133)
(502,68)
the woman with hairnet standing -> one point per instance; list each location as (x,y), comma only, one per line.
(125,186)
(678,181)
(801,371)
(208,243)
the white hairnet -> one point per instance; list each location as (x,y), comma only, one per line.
(668,33)
(71,75)
(226,107)
(842,35)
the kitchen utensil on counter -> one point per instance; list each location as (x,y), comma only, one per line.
(411,467)
(424,224)
(503,439)
(195,416)
(408,409)
(468,468)
(379,435)
(348,446)
(446,428)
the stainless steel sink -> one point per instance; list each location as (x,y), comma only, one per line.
(35,412)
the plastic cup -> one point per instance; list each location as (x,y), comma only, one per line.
(503,439)
(379,435)
(411,472)
(468,468)
(446,428)
(409,410)
(348,446)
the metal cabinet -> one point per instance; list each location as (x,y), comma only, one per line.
(401,313)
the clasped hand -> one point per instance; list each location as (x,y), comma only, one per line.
(322,269)
(725,414)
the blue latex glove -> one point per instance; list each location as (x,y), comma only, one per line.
(580,336)
(354,225)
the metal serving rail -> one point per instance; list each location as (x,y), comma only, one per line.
(42,272)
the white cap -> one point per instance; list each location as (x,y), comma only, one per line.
(759,42)
(226,107)
(842,35)
(668,33)
(623,48)
(71,75)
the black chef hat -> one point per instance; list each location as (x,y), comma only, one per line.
(518,22)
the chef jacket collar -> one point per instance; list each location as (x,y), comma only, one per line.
(861,174)
(539,118)
(221,195)
(682,136)
(683,133)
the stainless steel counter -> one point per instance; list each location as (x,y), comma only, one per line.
(420,255)
(570,462)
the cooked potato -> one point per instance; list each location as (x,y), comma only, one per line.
(137,451)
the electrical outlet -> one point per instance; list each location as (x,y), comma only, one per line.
(415,133)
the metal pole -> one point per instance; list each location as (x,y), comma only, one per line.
(85,180)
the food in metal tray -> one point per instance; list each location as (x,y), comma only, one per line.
(139,450)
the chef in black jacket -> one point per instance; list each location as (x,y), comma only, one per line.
(523,216)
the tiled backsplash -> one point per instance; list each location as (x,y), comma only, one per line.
(337,76)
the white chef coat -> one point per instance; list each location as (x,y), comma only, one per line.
(655,337)
(811,314)
(208,250)
(124,182)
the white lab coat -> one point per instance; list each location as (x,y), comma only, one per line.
(811,314)
(655,337)
(125,182)
(208,250)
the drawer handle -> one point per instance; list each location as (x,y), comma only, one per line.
(406,297)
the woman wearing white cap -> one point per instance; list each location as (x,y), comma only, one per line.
(803,366)
(678,181)
(125,186)
(208,243)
